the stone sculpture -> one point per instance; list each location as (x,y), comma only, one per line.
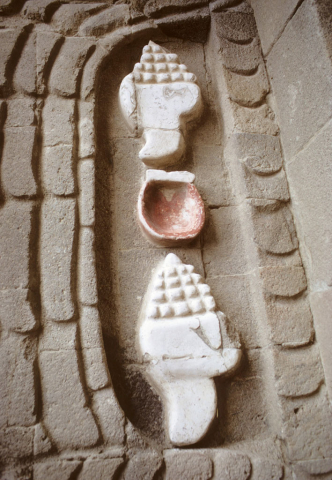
(159,98)
(180,342)
(170,209)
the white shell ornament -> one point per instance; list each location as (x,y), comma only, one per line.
(180,342)
(158,99)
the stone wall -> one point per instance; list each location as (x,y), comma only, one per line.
(74,265)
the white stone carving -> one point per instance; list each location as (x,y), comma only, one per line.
(179,340)
(158,99)
(170,209)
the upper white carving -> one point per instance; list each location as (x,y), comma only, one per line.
(180,341)
(158,99)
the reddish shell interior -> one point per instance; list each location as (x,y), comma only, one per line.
(173,209)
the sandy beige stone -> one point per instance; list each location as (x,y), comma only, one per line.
(16,313)
(57,170)
(86,129)
(86,185)
(240,58)
(56,470)
(41,443)
(231,466)
(16,442)
(87,279)
(266,470)
(65,414)
(283,281)
(239,27)
(25,76)
(254,120)
(68,18)
(41,10)
(8,39)
(101,469)
(193,25)
(46,44)
(188,465)
(298,371)
(21,112)
(110,417)
(272,187)
(96,370)
(105,21)
(90,328)
(18,162)
(247,90)
(59,336)
(143,465)
(58,121)
(90,71)
(57,243)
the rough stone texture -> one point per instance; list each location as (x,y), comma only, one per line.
(15,230)
(65,414)
(143,466)
(101,469)
(90,328)
(290,321)
(231,466)
(240,58)
(86,129)
(298,372)
(90,71)
(86,185)
(59,336)
(18,396)
(265,470)
(192,26)
(87,279)
(283,281)
(272,187)
(41,444)
(46,45)
(234,26)
(95,365)
(40,10)
(271,19)
(157,9)
(310,179)
(247,90)
(68,65)
(302,104)
(25,76)
(110,416)
(254,120)
(58,470)
(16,313)
(18,162)
(8,40)
(58,121)
(321,304)
(16,442)
(106,21)
(20,112)
(57,165)
(68,18)
(187,465)
(223,246)
(56,250)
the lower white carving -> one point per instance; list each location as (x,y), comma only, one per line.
(180,341)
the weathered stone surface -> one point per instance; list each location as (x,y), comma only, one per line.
(17,371)
(247,90)
(298,371)
(238,27)
(307,427)
(57,170)
(316,467)
(68,65)
(110,416)
(58,121)
(15,310)
(143,465)
(46,44)
(321,304)
(86,129)
(25,73)
(15,230)
(240,58)
(17,168)
(157,9)
(273,187)
(91,69)
(254,120)
(192,26)
(223,252)
(101,469)
(58,336)
(8,40)
(68,18)
(56,253)
(20,112)
(273,229)
(9,6)
(16,442)
(261,154)
(40,10)
(87,279)
(90,328)
(290,321)
(302,106)
(96,370)
(266,470)
(65,414)
(86,185)
(231,466)
(106,21)
(18,472)
(232,296)
(310,179)
(187,465)
(41,444)
(283,281)
(56,470)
